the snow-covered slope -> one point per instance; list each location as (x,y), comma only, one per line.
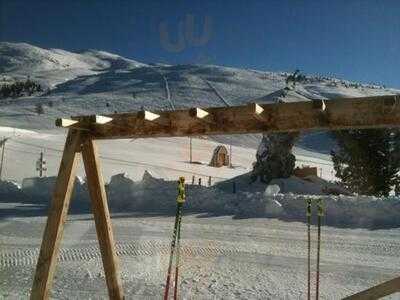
(54,66)
(91,82)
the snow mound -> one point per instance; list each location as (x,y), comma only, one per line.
(159,196)
(272,190)
(310,185)
(7,187)
(39,190)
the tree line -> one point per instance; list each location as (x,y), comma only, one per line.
(367,161)
(19,89)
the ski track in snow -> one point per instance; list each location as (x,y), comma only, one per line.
(168,93)
(221,258)
(217,93)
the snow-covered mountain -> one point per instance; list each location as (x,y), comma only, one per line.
(55,66)
(92,81)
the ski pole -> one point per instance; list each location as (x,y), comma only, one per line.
(178,250)
(180,200)
(320,215)
(308,214)
(172,253)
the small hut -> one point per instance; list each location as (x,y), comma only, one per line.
(220,157)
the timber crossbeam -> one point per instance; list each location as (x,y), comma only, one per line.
(368,112)
(335,114)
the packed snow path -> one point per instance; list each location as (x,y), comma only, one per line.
(222,258)
(168,93)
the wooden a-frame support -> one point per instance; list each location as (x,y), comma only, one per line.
(75,143)
(379,291)
(336,114)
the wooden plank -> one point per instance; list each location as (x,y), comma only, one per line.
(255,108)
(100,119)
(55,221)
(257,111)
(102,219)
(198,113)
(381,290)
(147,115)
(65,122)
(367,112)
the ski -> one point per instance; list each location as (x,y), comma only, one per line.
(320,215)
(180,201)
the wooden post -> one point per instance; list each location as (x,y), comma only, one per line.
(102,218)
(55,222)
(3,149)
(190,150)
(376,292)
(230,156)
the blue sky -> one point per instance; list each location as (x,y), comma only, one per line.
(357,40)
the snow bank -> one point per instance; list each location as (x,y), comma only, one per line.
(39,190)
(10,191)
(159,196)
(310,185)
(340,211)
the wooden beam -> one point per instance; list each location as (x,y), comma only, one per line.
(102,218)
(201,115)
(65,122)
(147,115)
(381,290)
(320,105)
(97,119)
(367,112)
(55,221)
(198,113)
(256,110)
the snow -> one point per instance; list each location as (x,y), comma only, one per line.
(272,190)
(166,158)
(244,245)
(54,66)
(222,258)
(8,189)
(158,195)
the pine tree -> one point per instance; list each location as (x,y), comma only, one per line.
(368,161)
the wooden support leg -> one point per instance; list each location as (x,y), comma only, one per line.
(379,291)
(56,218)
(102,219)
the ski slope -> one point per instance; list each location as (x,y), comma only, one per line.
(166,158)
(223,258)
(97,82)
